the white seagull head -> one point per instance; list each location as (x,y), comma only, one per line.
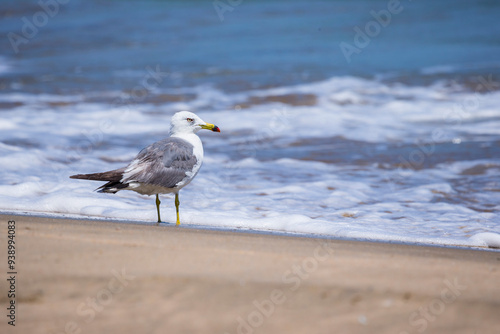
(185,122)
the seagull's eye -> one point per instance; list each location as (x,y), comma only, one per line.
(190,120)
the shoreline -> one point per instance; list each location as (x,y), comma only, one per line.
(96,276)
(75,217)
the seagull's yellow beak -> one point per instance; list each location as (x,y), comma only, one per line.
(211,127)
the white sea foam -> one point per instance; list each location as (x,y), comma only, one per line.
(42,144)
(486,239)
(5,66)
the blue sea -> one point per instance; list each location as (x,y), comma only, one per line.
(375,120)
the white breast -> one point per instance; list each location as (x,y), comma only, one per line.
(194,140)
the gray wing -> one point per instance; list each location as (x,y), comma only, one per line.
(164,163)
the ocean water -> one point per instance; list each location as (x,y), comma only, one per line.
(347,119)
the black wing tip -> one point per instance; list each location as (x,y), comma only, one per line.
(112,187)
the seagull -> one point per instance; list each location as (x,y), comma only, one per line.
(164,167)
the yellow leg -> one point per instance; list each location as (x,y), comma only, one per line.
(158,207)
(177,208)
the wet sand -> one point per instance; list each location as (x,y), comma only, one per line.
(85,276)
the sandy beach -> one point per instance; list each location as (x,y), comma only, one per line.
(350,182)
(87,276)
